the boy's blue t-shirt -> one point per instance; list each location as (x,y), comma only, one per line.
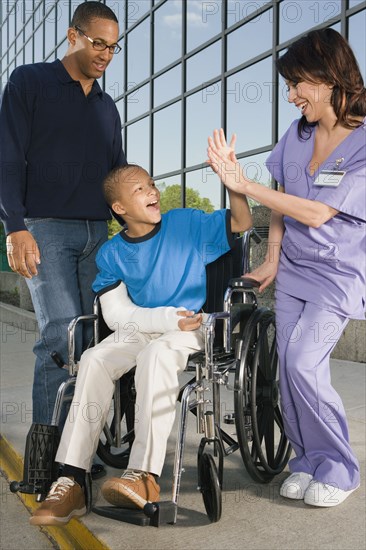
(167,266)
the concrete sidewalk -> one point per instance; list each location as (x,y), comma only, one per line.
(254,516)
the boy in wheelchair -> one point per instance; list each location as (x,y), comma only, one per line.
(151,284)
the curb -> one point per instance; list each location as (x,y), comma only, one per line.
(17,317)
(74,535)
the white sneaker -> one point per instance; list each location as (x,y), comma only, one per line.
(323,494)
(295,485)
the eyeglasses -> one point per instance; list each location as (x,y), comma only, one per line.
(99,45)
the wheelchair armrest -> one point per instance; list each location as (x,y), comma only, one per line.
(243,282)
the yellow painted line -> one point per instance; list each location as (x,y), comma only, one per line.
(74,535)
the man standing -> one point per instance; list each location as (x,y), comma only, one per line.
(60,135)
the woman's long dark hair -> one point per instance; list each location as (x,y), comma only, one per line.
(324,56)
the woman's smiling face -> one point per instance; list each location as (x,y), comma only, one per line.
(312,99)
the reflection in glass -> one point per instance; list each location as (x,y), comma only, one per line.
(203,21)
(137,150)
(297,17)
(38,44)
(240,10)
(249,105)
(135,10)
(138,58)
(204,65)
(168,34)
(170,193)
(50,31)
(208,186)
(168,85)
(167,139)
(62,20)
(255,169)
(250,40)
(357,25)
(28,52)
(203,115)
(138,102)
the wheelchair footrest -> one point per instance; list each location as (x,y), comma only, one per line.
(154,514)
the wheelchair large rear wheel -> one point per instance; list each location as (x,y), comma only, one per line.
(108,451)
(261,437)
(210,487)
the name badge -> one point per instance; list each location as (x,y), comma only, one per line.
(329,178)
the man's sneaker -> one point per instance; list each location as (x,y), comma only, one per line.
(65,500)
(132,490)
(295,485)
(325,495)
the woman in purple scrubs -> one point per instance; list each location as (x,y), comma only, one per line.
(316,253)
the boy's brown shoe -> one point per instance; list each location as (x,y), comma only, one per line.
(132,490)
(65,500)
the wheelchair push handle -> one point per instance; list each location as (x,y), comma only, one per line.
(244,282)
(56,358)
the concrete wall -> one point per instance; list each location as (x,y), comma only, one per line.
(12,282)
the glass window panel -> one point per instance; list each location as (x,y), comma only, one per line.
(61,50)
(19,16)
(136,9)
(257,33)
(138,143)
(208,186)
(28,54)
(120,108)
(11,51)
(249,105)
(204,65)
(50,31)
(167,34)
(296,17)
(11,23)
(138,102)
(170,193)
(138,58)
(353,3)
(167,139)
(203,115)
(28,9)
(119,9)
(237,10)
(38,44)
(19,59)
(28,29)
(4,38)
(357,25)
(287,112)
(203,21)
(114,75)
(63,20)
(168,85)
(255,169)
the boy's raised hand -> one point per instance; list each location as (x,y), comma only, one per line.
(189,321)
(223,161)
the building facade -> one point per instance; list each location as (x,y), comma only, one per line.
(187,67)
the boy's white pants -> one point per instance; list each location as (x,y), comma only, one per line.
(159,359)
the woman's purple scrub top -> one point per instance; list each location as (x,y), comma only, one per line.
(325,265)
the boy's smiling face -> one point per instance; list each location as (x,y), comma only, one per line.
(138,201)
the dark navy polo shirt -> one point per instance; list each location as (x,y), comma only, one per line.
(56,146)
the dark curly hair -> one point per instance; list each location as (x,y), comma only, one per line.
(324,56)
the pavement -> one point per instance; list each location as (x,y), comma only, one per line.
(254,516)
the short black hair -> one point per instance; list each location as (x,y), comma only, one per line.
(113,180)
(87,11)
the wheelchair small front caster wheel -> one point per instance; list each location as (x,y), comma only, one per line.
(14,486)
(210,487)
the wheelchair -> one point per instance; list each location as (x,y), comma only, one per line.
(239,355)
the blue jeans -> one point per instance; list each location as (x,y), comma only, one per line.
(61,291)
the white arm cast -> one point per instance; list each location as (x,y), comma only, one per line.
(119,310)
